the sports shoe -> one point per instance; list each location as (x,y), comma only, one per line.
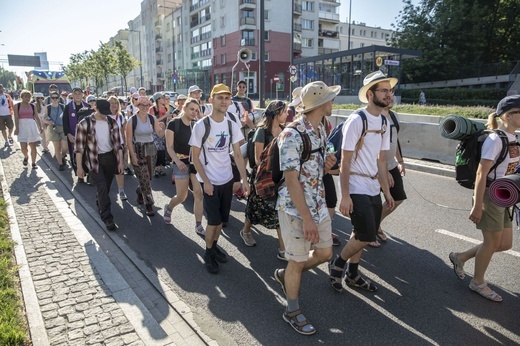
(219,255)
(281,255)
(280,278)
(11,141)
(199,229)
(211,262)
(62,167)
(248,238)
(167,214)
(6,145)
(122,195)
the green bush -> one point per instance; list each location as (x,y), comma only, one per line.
(455,96)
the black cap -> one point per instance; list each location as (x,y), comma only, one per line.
(508,103)
(103,106)
(77,89)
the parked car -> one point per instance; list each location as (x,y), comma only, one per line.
(173,94)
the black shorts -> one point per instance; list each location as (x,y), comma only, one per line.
(397,191)
(218,205)
(366,216)
(331,197)
(161,158)
(236,173)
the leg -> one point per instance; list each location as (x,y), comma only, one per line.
(57,152)
(25,153)
(33,152)
(181,187)
(483,256)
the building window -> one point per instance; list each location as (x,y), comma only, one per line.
(307,24)
(308,6)
(361,44)
(223,78)
(353,32)
(216,79)
(223,40)
(223,21)
(266,15)
(222,3)
(266,56)
(248,14)
(307,42)
(266,36)
(248,38)
(169,58)
(222,59)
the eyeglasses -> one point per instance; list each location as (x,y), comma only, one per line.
(54,97)
(386,91)
(514,112)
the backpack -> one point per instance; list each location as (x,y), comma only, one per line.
(251,146)
(336,135)
(32,106)
(207,129)
(82,112)
(468,153)
(268,176)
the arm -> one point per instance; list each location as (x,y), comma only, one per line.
(259,148)
(346,207)
(130,135)
(80,143)
(382,172)
(480,189)
(170,140)
(208,187)
(241,165)
(400,159)
(16,121)
(158,127)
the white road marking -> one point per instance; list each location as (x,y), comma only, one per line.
(471,240)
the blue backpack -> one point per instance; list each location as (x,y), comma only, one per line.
(336,135)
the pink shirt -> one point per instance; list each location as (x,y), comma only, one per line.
(25,113)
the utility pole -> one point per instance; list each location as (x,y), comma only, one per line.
(262,78)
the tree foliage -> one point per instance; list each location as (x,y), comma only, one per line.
(124,63)
(452,34)
(7,78)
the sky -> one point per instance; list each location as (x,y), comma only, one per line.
(62,28)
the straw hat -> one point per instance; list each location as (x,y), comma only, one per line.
(315,94)
(296,97)
(372,79)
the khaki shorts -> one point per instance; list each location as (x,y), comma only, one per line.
(494,218)
(55,134)
(296,247)
(6,121)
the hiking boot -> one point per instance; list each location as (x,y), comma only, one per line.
(248,238)
(167,214)
(122,196)
(200,231)
(219,255)
(211,262)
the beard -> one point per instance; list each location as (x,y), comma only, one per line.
(383,103)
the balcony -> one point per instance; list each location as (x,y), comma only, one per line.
(247,42)
(297,9)
(159,75)
(205,36)
(326,51)
(205,52)
(247,4)
(198,5)
(158,49)
(297,27)
(195,55)
(158,24)
(159,62)
(247,23)
(205,18)
(195,39)
(194,23)
(158,37)
(329,17)
(329,33)
(334,2)
(297,47)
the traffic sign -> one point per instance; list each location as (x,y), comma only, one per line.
(392,62)
(276,78)
(293,69)
(293,79)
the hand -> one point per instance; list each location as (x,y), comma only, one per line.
(476,214)
(182,166)
(391,181)
(135,161)
(401,169)
(208,189)
(330,161)
(246,189)
(16,131)
(80,172)
(120,168)
(346,206)
(71,138)
(161,125)
(389,201)
(310,231)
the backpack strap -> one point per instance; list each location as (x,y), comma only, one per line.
(365,129)
(207,129)
(232,116)
(503,153)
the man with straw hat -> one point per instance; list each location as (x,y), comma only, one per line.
(302,211)
(363,175)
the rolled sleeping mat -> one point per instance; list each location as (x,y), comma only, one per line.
(505,191)
(457,127)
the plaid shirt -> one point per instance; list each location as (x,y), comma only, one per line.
(89,139)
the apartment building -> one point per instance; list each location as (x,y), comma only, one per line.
(362,35)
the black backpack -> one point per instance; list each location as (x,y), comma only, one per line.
(336,135)
(468,153)
(251,145)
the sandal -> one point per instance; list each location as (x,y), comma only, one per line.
(375,244)
(304,327)
(335,275)
(458,266)
(25,161)
(280,279)
(34,166)
(382,236)
(360,282)
(492,295)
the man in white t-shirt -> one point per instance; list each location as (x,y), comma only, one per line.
(211,158)
(363,175)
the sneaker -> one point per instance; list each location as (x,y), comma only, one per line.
(211,262)
(11,141)
(248,238)
(281,255)
(167,214)
(25,161)
(219,255)
(6,145)
(122,196)
(62,167)
(200,230)
(111,226)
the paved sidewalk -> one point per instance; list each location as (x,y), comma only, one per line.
(73,292)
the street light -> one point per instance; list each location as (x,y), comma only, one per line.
(140,56)
(349,21)
(173,45)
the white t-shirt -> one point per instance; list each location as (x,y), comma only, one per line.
(132,109)
(391,162)
(238,113)
(206,109)
(217,144)
(4,105)
(491,149)
(103,137)
(365,162)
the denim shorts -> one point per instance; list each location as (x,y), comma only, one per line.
(178,174)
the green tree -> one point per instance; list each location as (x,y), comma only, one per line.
(7,78)
(453,34)
(104,61)
(76,70)
(124,63)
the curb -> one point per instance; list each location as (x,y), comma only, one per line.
(423,166)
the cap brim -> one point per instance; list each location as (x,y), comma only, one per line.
(363,91)
(334,91)
(295,102)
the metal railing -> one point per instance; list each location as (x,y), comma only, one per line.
(247,21)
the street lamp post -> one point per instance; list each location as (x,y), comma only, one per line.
(140,56)
(173,46)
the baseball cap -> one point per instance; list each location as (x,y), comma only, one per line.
(220,89)
(103,106)
(193,88)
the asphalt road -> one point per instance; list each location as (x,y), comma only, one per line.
(420,300)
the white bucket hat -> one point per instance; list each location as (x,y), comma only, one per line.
(193,88)
(372,79)
(296,97)
(315,94)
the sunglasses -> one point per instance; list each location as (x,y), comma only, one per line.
(54,97)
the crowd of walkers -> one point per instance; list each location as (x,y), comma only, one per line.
(203,143)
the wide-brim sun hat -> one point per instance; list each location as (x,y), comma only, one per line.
(157,96)
(372,79)
(296,97)
(37,94)
(315,94)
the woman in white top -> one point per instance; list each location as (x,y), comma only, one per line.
(492,220)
